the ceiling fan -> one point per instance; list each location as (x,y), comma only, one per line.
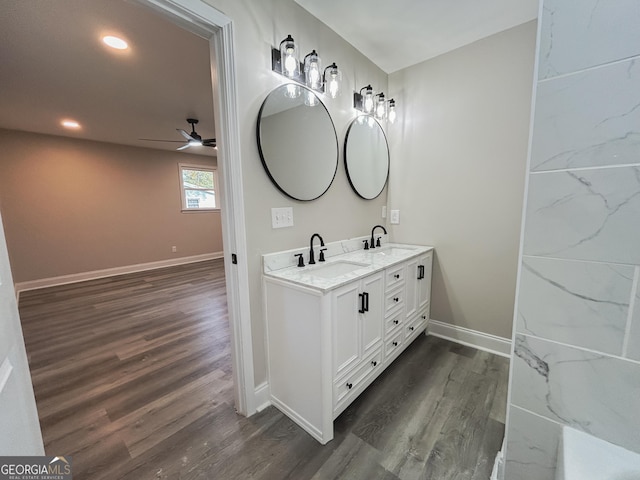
(192,139)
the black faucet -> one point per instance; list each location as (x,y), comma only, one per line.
(312,259)
(372,243)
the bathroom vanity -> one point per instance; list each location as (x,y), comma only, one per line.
(333,327)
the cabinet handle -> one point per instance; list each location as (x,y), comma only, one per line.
(424,317)
(374,363)
(420,272)
(396,299)
(396,321)
(349,385)
(412,328)
(366,300)
(395,344)
(361,309)
(396,276)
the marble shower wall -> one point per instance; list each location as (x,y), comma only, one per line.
(577,325)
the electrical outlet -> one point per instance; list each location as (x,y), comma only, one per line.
(282,217)
(174,249)
(395,217)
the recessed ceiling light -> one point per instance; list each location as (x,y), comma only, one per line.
(115,42)
(70,124)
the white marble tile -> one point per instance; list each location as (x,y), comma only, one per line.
(532,445)
(580,34)
(580,303)
(633,348)
(595,393)
(585,215)
(588,119)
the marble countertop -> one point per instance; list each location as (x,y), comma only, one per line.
(357,264)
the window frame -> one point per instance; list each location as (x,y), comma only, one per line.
(183,197)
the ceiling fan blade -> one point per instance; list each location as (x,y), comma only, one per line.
(184,134)
(209,142)
(159,140)
(183,147)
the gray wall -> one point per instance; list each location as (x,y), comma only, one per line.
(74,206)
(577,325)
(457,172)
(340,213)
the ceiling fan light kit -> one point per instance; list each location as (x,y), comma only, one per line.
(192,139)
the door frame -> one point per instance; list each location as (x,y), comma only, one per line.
(204,20)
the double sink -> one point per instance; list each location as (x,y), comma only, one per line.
(337,268)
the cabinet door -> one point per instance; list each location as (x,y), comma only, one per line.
(411,285)
(346,327)
(424,283)
(372,319)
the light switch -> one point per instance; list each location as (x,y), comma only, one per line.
(384,211)
(282,217)
(395,217)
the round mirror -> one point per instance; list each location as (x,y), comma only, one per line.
(297,142)
(366,157)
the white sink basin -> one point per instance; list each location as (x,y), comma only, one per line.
(389,250)
(335,269)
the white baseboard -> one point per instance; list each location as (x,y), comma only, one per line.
(471,338)
(110,272)
(498,465)
(263,396)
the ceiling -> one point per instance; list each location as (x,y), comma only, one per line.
(54,66)
(396,34)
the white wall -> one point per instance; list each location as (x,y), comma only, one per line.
(457,172)
(19,426)
(340,213)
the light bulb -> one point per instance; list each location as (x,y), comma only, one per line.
(289,58)
(392,111)
(368,102)
(312,68)
(381,107)
(333,77)
(293,90)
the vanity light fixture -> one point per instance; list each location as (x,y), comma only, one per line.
(374,105)
(332,78)
(391,113)
(363,100)
(380,107)
(70,124)
(312,67)
(284,60)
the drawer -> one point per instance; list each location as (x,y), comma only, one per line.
(394,277)
(417,325)
(394,300)
(393,322)
(393,345)
(349,386)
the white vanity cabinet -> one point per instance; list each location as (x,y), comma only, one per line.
(326,345)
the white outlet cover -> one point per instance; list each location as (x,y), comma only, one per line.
(395,217)
(282,217)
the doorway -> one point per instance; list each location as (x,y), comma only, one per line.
(208,22)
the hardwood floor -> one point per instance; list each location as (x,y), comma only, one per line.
(132,376)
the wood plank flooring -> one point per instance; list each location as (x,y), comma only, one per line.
(132,376)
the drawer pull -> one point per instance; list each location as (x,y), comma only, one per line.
(396,276)
(395,344)
(374,363)
(396,299)
(396,321)
(412,328)
(349,386)
(424,317)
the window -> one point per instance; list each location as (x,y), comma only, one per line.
(198,186)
